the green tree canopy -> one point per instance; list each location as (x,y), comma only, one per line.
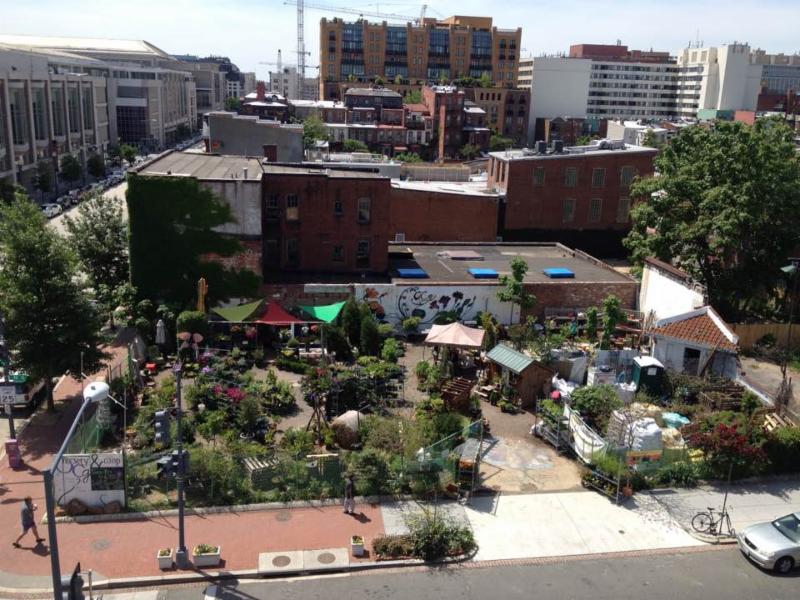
(43,180)
(99,236)
(725,208)
(355,146)
(469,151)
(128,153)
(313,130)
(408,157)
(70,168)
(498,142)
(49,321)
(172,221)
(232,104)
(96,166)
(412,97)
(514,288)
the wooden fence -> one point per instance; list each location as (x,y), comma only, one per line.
(750,333)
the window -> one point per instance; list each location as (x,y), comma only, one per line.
(363,210)
(362,254)
(598,177)
(292,253)
(568,213)
(626,175)
(338,253)
(73,106)
(538,176)
(338,208)
(272,201)
(595,208)
(19,116)
(39,114)
(623,210)
(292,208)
(570,177)
(57,101)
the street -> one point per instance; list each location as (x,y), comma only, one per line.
(710,574)
(118,192)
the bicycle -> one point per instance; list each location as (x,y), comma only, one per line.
(712,522)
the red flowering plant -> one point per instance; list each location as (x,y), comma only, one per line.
(235,394)
(727,446)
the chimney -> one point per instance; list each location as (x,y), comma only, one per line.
(261,90)
(244,172)
(271,152)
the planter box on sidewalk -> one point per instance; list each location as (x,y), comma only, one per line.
(357,545)
(164,562)
(207,559)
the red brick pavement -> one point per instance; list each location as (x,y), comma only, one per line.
(128,549)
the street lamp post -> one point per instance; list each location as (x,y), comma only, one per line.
(180,555)
(784,390)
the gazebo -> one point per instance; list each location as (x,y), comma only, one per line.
(454,336)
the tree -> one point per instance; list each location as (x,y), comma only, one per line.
(412,97)
(596,403)
(370,340)
(498,142)
(469,151)
(485,80)
(408,157)
(379,80)
(8,190)
(714,208)
(351,321)
(49,321)
(313,130)
(591,324)
(99,237)
(727,448)
(96,166)
(128,153)
(70,168)
(355,146)
(232,104)
(612,316)
(43,180)
(583,140)
(514,288)
(114,155)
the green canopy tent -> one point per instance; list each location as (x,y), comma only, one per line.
(327,313)
(238,314)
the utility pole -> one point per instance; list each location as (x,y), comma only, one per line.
(180,555)
(5,361)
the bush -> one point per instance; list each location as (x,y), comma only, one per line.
(291,365)
(393,546)
(783,450)
(411,324)
(336,341)
(224,480)
(422,370)
(371,470)
(678,474)
(381,433)
(436,536)
(596,403)
(370,341)
(390,351)
(192,321)
(297,441)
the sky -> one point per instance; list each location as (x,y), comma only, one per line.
(250,31)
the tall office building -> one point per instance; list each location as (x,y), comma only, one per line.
(431,51)
(151,95)
(285,82)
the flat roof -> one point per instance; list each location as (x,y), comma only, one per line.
(109,45)
(613,147)
(469,188)
(203,166)
(539,256)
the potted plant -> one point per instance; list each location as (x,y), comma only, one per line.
(206,555)
(357,545)
(164,557)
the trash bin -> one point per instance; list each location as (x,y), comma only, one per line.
(13,454)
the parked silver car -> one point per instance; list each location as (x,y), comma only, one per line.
(774,545)
(51,210)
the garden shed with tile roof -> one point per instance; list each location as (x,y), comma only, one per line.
(696,341)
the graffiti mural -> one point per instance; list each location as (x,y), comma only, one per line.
(393,304)
(94,479)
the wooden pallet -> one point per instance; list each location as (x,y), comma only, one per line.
(773,421)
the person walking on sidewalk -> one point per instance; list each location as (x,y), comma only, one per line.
(28,521)
(349,496)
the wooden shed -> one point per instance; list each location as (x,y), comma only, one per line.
(519,372)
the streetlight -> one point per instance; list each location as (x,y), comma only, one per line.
(180,555)
(784,390)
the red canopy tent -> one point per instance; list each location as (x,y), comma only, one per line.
(275,314)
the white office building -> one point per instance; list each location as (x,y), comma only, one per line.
(285,82)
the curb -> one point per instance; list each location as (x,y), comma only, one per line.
(716,540)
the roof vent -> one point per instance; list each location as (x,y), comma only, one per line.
(541,147)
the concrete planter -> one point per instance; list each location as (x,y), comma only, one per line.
(164,562)
(206,559)
(357,545)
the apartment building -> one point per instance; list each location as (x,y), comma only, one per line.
(240,135)
(287,83)
(507,110)
(151,97)
(558,192)
(525,73)
(52,103)
(433,51)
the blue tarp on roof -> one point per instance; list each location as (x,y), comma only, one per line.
(483,273)
(559,273)
(412,273)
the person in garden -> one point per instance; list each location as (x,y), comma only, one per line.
(349,495)
(28,521)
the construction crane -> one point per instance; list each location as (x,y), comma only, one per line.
(361,13)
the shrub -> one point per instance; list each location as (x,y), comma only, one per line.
(336,341)
(609,465)
(224,480)
(411,324)
(192,321)
(445,317)
(436,536)
(381,433)
(370,340)
(291,365)
(371,470)
(393,546)
(679,474)
(596,403)
(297,441)
(422,370)
(390,351)
(783,450)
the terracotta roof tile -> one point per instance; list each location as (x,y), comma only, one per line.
(700,329)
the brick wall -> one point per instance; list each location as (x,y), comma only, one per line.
(249,258)
(583,294)
(435,216)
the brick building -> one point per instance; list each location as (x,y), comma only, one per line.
(569,194)
(506,109)
(450,48)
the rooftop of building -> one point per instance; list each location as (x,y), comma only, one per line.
(416,107)
(597,147)
(476,187)
(202,166)
(317,103)
(54,55)
(222,114)
(450,262)
(97,45)
(380,92)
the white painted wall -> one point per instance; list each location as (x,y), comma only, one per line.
(665,295)
(244,198)
(559,88)
(670,353)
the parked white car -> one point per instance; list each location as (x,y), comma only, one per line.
(51,210)
(773,545)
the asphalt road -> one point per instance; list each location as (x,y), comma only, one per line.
(118,192)
(711,574)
